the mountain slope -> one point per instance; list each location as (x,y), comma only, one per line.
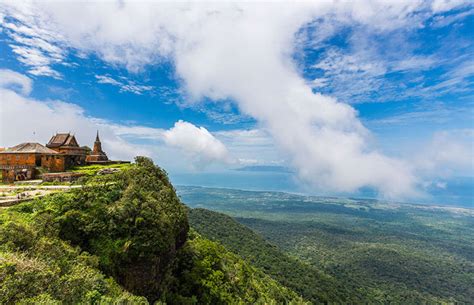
(209,274)
(302,278)
(121,238)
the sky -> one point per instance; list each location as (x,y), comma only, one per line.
(325,97)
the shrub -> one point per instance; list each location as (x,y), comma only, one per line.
(16,236)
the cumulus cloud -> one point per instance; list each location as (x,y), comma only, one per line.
(185,141)
(252,146)
(225,147)
(243,52)
(197,142)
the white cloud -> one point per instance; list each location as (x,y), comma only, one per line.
(442,21)
(127,86)
(198,143)
(36,47)
(241,146)
(375,65)
(103,79)
(252,146)
(243,52)
(418,63)
(449,151)
(319,82)
(445,5)
(430,112)
(361,72)
(9,78)
(246,137)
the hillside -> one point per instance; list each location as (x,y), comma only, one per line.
(310,282)
(378,251)
(121,238)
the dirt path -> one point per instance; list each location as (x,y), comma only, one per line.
(36,187)
(16,194)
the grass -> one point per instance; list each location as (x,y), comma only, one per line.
(90,170)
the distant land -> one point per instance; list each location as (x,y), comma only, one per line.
(221,199)
(455,191)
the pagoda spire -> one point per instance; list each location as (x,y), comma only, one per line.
(97,154)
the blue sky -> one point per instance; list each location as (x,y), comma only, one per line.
(347,96)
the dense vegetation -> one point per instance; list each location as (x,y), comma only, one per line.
(379,251)
(121,238)
(208,274)
(290,272)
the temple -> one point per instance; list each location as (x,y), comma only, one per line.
(97,155)
(20,162)
(66,144)
(30,160)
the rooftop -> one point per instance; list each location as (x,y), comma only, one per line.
(31,148)
(62,139)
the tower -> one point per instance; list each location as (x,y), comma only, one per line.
(97,146)
(97,154)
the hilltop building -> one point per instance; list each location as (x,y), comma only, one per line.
(25,161)
(97,155)
(20,162)
(66,143)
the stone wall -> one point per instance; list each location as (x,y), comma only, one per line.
(74,155)
(20,159)
(18,166)
(21,166)
(11,173)
(53,163)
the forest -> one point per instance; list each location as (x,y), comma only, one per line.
(364,251)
